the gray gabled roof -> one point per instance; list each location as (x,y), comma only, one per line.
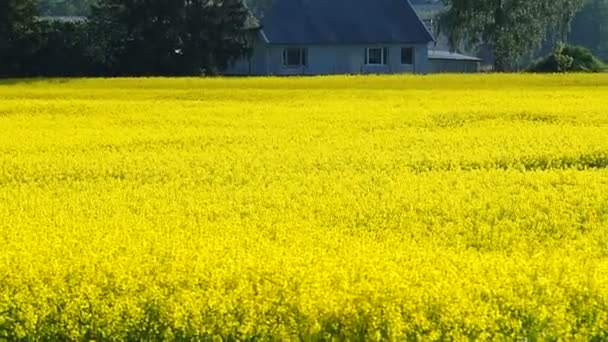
(343,22)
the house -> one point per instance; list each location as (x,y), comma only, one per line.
(312,37)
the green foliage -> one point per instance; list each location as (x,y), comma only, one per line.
(139,37)
(54,49)
(590,28)
(510,28)
(17,33)
(30,46)
(62,50)
(168,38)
(568,59)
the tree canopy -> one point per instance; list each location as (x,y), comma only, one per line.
(590,27)
(145,37)
(510,28)
(122,37)
(17,27)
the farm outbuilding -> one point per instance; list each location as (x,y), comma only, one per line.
(441,61)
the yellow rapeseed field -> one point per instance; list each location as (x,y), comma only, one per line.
(360,208)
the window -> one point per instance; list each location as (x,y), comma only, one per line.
(407,55)
(376,56)
(295,57)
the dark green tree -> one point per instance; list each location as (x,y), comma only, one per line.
(590,27)
(17,34)
(168,37)
(509,28)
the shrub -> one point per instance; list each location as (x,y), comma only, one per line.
(568,59)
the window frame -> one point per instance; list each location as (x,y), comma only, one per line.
(302,57)
(384,54)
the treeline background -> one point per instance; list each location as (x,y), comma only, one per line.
(589,28)
(178,37)
(118,37)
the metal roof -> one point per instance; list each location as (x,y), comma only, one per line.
(63,19)
(453,56)
(343,22)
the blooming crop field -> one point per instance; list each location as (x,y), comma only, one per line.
(376,208)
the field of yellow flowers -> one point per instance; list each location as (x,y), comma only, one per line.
(360,208)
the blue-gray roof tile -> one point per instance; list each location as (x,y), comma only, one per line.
(343,22)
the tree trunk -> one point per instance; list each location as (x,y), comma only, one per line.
(501,53)
(501,63)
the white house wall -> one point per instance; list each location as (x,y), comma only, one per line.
(331,59)
(347,59)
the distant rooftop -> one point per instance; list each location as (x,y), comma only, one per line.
(64,19)
(451,56)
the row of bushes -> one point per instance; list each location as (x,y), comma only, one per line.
(141,38)
(567,58)
(51,48)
